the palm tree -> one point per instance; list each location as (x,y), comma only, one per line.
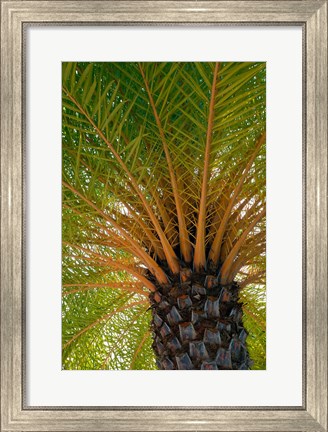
(163,215)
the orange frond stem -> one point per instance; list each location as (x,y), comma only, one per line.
(214,253)
(185,244)
(217,213)
(157,246)
(234,228)
(246,258)
(199,254)
(167,213)
(232,255)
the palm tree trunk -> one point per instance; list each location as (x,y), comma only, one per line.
(197,324)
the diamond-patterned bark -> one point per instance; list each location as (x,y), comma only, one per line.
(197,324)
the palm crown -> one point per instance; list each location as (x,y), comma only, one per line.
(163,185)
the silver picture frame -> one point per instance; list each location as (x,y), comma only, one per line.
(311,15)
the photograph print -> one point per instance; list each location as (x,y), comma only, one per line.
(164,216)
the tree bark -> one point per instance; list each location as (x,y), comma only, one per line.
(197,324)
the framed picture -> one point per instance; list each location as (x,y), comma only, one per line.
(268,51)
